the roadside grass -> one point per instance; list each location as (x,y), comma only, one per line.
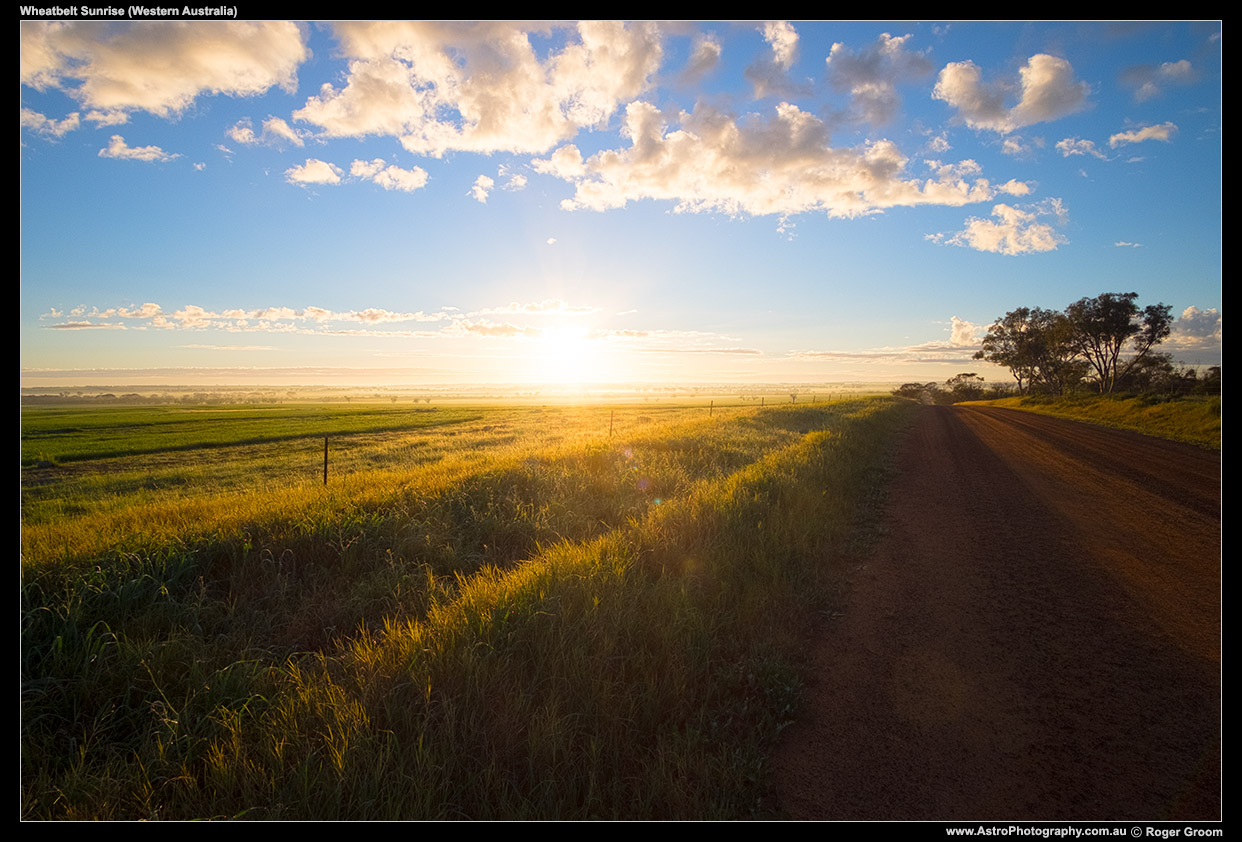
(558,624)
(1195,420)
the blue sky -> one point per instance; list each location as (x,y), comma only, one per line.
(434,203)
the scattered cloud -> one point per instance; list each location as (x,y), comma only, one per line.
(715,162)
(1124,244)
(964,333)
(314,171)
(275,132)
(1148,81)
(870,77)
(115,68)
(482,186)
(705,54)
(551,241)
(1021,147)
(242,132)
(85,326)
(1013,230)
(769,75)
(1077,146)
(275,127)
(107,118)
(389,176)
(1049,91)
(117,148)
(1164,132)
(443,86)
(484,327)
(46,126)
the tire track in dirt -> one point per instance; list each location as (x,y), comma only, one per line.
(1036,636)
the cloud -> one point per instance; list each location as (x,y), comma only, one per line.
(770,75)
(1013,231)
(871,75)
(782,165)
(1049,92)
(266,320)
(481,87)
(705,54)
(46,126)
(1021,147)
(964,333)
(107,118)
(483,327)
(1124,244)
(783,39)
(1196,329)
(314,171)
(160,68)
(482,186)
(242,132)
(275,132)
(516,181)
(1148,81)
(117,148)
(1164,132)
(390,177)
(85,326)
(1014,188)
(275,127)
(1077,146)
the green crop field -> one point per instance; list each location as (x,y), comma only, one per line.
(486,612)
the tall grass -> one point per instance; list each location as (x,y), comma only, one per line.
(588,629)
(1192,419)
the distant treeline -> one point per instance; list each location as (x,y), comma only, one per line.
(1157,377)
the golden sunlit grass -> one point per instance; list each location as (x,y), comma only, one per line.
(527,619)
(1190,419)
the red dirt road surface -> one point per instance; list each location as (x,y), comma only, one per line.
(1035,636)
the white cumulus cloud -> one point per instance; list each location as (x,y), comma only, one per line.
(389,176)
(1012,230)
(1048,92)
(482,186)
(118,148)
(314,171)
(158,67)
(481,87)
(782,165)
(47,126)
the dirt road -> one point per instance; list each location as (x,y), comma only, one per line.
(1036,636)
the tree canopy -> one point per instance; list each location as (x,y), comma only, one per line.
(1055,350)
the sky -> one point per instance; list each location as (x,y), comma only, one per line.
(421,203)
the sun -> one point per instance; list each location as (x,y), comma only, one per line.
(567,354)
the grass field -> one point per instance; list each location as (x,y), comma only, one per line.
(488,612)
(1195,419)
